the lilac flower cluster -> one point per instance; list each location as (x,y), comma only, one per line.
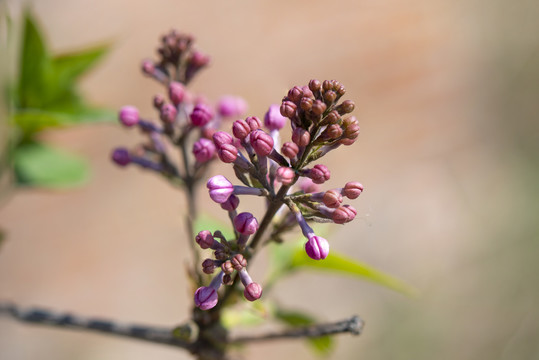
(182,115)
(319,124)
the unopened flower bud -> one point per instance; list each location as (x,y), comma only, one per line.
(351,128)
(261,142)
(330,96)
(201,115)
(318,107)
(227,279)
(301,137)
(352,189)
(206,297)
(121,156)
(344,214)
(332,198)
(231,204)
(253,122)
(227,153)
(332,118)
(288,109)
(319,174)
(205,239)
(285,175)
(245,223)
(148,67)
(273,119)
(290,149)
(158,101)
(128,115)
(239,262)
(220,138)
(208,266)
(203,150)
(315,85)
(240,129)
(317,248)
(295,94)
(306,103)
(253,291)
(176,92)
(231,106)
(327,85)
(220,188)
(227,267)
(332,132)
(346,107)
(198,59)
(168,113)
(220,254)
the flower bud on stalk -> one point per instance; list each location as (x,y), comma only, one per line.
(220,188)
(290,150)
(221,138)
(206,241)
(253,291)
(121,156)
(273,119)
(201,115)
(343,214)
(317,248)
(168,113)
(208,266)
(352,189)
(203,150)
(227,153)
(176,92)
(206,297)
(285,175)
(318,174)
(129,116)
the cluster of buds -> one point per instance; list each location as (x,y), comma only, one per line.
(185,120)
(282,174)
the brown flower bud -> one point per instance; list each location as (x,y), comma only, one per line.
(227,279)
(333,117)
(288,109)
(314,85)
(332,198)
(301,137)
(346,107)
(220,254)
(227,267)
(208,266)
(332,132)
(327,85)
(295,94)
(306,103)
(318,107)
(289,149)
(238,262)
(330,96)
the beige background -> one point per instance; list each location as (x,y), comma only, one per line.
(446,93)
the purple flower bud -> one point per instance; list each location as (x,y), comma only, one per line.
(148,67)
(220,138)
(285,175)
(203,150)
(227,267)
(318,107)
(201,115)
(198,59)
(238,262)
(176,92)
(168,113)
(128,115)
(231,204)
(220,254)
(206,297)
(306,103)
(308,186)
(253,122)
(220,188)
(261,142)
(253,291)
(290,150)
(301,137)
(352,189)
(346,107)
(208,266)
(330,96)
(343,214)
(158,101)
(295,94)
(332,132)
(240,129)
(273,119)
(245,223)
(315,85)
(288,109)
(307,92)
(332,198)
(319,174)
(231,106)
(317,248)
(121,156)
(228,153)
(205,239)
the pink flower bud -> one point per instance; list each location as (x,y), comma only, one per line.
(352,189)
(261,142)
(201,115)
(319,174)
(245,223)
(228,153)
(227,267)
(176,92)
(332,198)
(220,188)
(121,156)
(295,94)
(273,119)
(206,297)
(344,214)
(158,101)
(290,150)
(203,150)
(317,248)
(129,115)
(285,175)
(208,266)
(148,67)
(238,262)
(253,122)
(231,204)
(205,239)
(288,109)
(318,107)
(198,59)
(253,291)
(168,113)
(231,106)
(308,186)
(220,138)
(240,129)
(301,137)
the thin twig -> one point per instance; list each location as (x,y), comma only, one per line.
(353,325)
(159,335)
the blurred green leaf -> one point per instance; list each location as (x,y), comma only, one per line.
(241,317)
(207,222)
(321,345)
(40,165)
(342,264)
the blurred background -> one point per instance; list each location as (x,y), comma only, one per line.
(447,94)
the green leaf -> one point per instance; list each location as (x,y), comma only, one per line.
(342,264)
(207,222)
(321,345)
(69,67)
(40,165)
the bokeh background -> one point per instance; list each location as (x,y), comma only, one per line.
(447,94)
